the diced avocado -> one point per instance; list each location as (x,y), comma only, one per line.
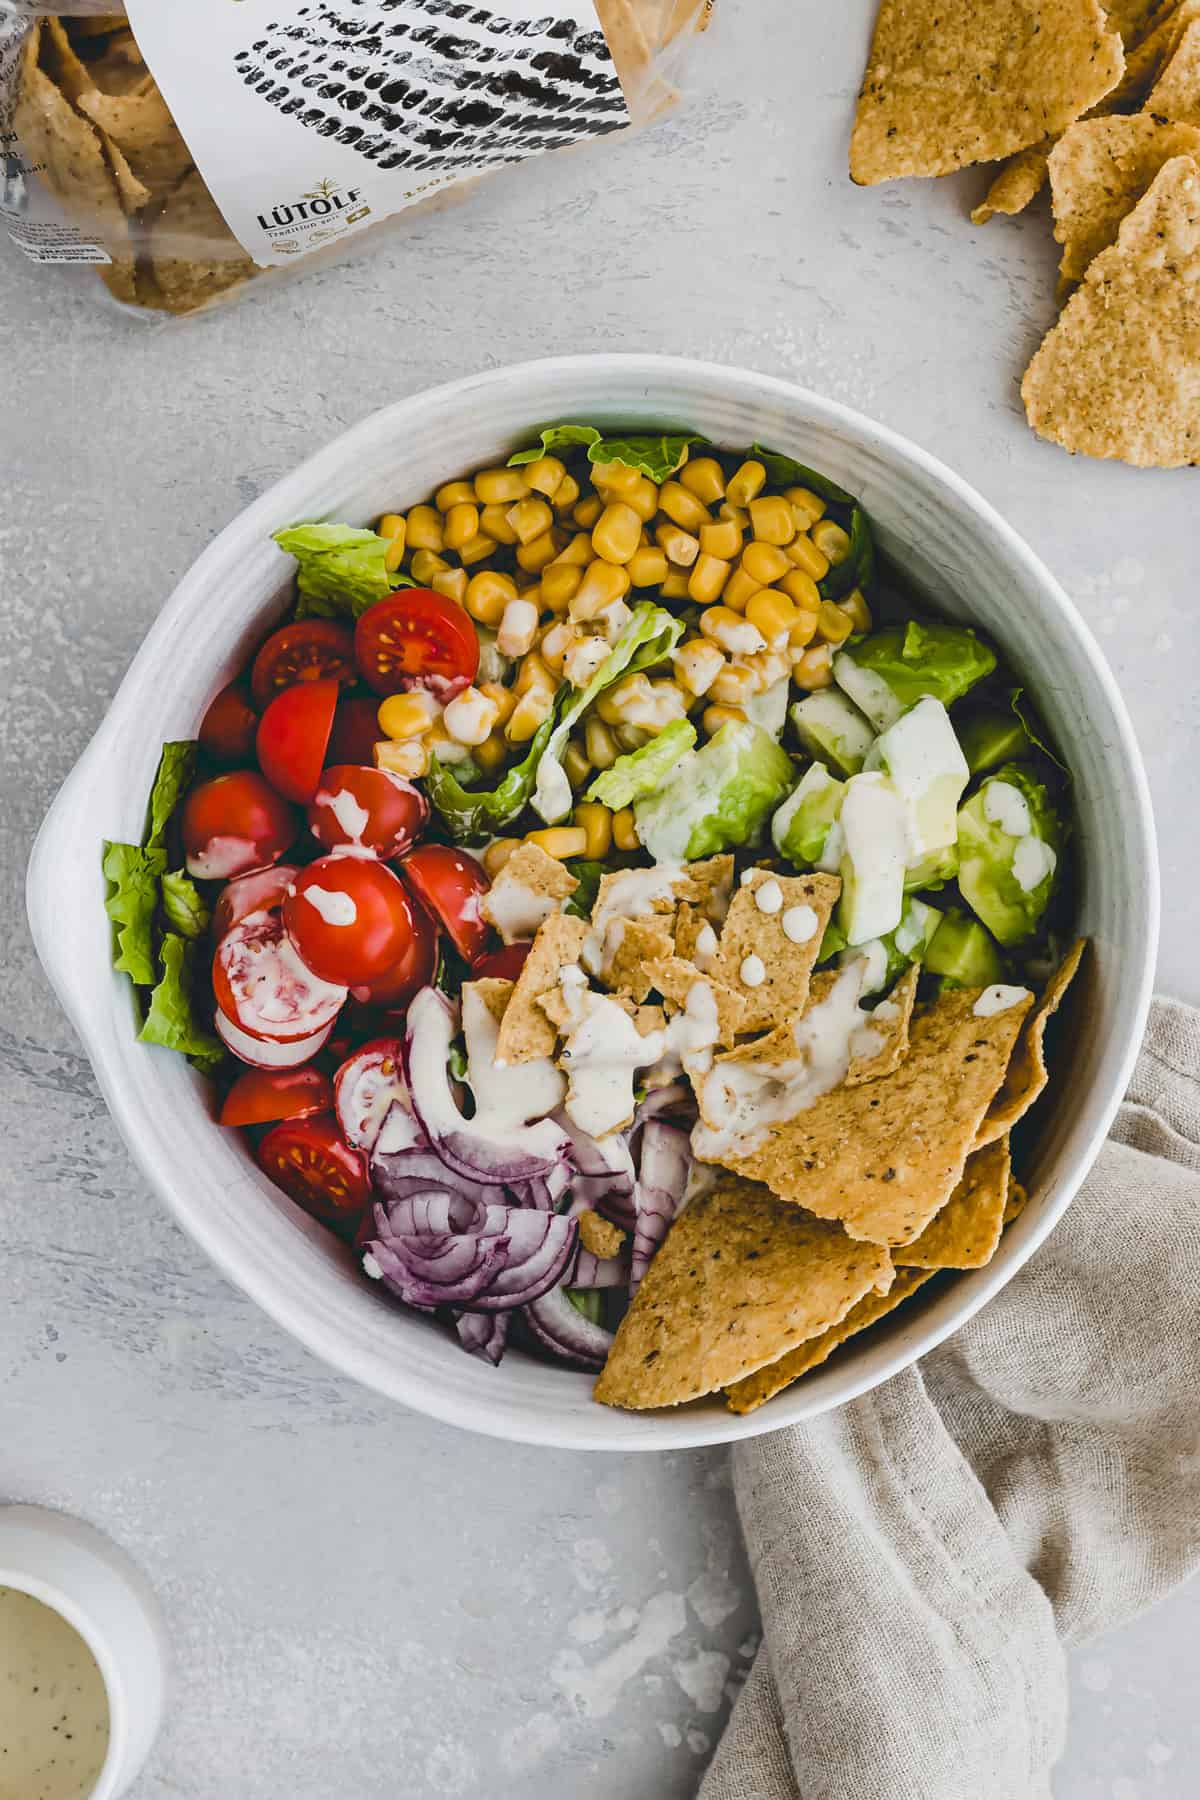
(833,941)
(715,798)
(921,756)
(874,841)
(889,956)
(962,953)
(833,731)
(800,828)
(991,738)
(933,871)
(769,709)
(889,670)
(1009,838)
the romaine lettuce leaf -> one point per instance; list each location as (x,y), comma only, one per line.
(340,569)
(641,771)
(175,768)
(185,911)
(477,812)
(657,455)
(589,876)
(170,1018)
(715,798)
(134,874)
(555,437)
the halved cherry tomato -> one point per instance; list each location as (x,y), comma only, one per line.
(418,638)
(293,735)
(355,731)
(366,1086)
(265,1053)
(309,1161)
(412,970)
(305,650)
(261,984)
(261,1096)
(262,891)
(451,884)
(355,808)
(235,823)
(228,727)
(349,918)
(504,964)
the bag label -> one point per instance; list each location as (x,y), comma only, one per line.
(312,119)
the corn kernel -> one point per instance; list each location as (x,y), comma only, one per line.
(806,506)
(518,628)
(814,668)
(488,593)
(739,590)
(802,589)
(771,520)
(746,484)
(624,830)
(498,853)
(494,520)
(494,487)
(615,477)
(534,556)
(833,624)
(557,639)
(502,698)
(631,737)
(424,529)
(583,659)
(476,549)
(596,823)
(598,742)
(530,518)
(407,715)
(576,766)
(805,555)
(643,499)
(648,567)
(602,583)
(857,610)
(492,754)
(722,538)
(454,493)
(394,527)
(566,494)
(734,686)
(470,717)
(765,562)
(831,541)
(705,478)
(391,525)
(617,532)
(425,564)
(533,676)
(675,586)
(408,757)
(577,551)
(681,547)
(447,749)
(714,717)
(709,575)
(559,841)
(560,584)
(636,700)
(681,507)
(772,612)
(452,583)
(545,476)
(734,515)
(734,634)
(612,619)
(768,667)
(461,525)
(588,511)
(528,715)
(802,631)
(697,664)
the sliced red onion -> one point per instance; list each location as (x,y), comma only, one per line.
(605,1176)
(592,1271)
(483,1334)
(676,1097)
(439,1248)
(482,1149)
(561,1329)
(542,1191)
(666,1160)
(414,1171)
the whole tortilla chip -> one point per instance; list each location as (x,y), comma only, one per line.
(529,887)
(886,1156)
(193,254)
(1027,1072)
(1099,170)
(643,943)
(952,82)
(740,1280)
(965,1233)
(1176,93)
(674,979)
(1119,375)
(525,1031)
(745,1396)
(144,130)
(787,966)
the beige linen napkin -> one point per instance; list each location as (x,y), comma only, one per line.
(923,1556)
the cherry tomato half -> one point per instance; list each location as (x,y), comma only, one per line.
(367,1085)
(262,891)
(504,964)
(262,985)
(356,808)
(355,731)
(309,1161)
(292,737)
(261,1096)
(349,918)
(263,1053)
(412,970)
(451,884)
(235,823)
(228,727)
(418,638)
(305,650)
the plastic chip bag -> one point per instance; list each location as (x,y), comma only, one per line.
(187,147)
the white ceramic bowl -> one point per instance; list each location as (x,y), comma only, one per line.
(956,548)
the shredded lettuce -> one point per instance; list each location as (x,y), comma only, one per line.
(555,437)
(185,911)
(589,1302)
(170,1016)
(1034,730)
(134,874)
(473,812)
(657,455)
(175,768)
(642,770)
(589,875)
(341,569)
(858,569)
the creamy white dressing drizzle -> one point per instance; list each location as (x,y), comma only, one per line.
(631,896)
(753,971)
(799,924)
(602,1049)
(875,834)
(224,857)
(516,910)
(506,1095)
(998,999)
(1006,806)
(352,817)
(1033,862)
(334,907)
(706,947)
(692,1033)
(769,897)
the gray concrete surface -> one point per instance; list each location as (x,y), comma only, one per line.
(363,1604)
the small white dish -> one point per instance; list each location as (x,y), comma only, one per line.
(80,1575)
(954,547)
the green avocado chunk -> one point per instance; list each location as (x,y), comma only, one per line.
(1009,838)
(888,671)
(962,953)
(991,738)
(833,731)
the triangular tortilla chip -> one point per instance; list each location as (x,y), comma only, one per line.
(1119,375)
(965,1233)
(952,82)
(525,1031)
(745,1396)
(749,932)
(740,1280)
(643,943)
(194,256)
(145,131)
(674,979)
(1176,93)
(885,1157)
(1099,170)
(1027,1072)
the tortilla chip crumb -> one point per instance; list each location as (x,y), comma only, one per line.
(525,1031)
(964,1235)
(1016,1203)
(495,993)
(600,1235)
(889,1022)
(757,958)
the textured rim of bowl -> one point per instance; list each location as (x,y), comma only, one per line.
(680,1428)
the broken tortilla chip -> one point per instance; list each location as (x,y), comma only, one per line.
(886,1156)
(953,82)
(1016,1203)
(530,886)
(745,1396)
(674,979)
(965,1233)
(1017,185)
(740,1280)
(495,993)
(1027,1072)
(888,1024)
(525,1031)
(640,944)
(1119,375)
(1176,93)
(755,943)
(141,126)
(1099,170)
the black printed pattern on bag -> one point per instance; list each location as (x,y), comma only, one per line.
(436,86)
